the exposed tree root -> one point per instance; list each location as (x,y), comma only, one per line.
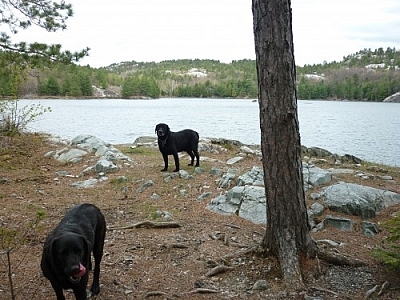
(250,249)
(338,258)
(148,224)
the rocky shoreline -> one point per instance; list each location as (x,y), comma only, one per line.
(247,196)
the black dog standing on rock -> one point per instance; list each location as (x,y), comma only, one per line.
(170,143)
(66,258)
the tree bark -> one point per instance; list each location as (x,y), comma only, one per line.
(288,233)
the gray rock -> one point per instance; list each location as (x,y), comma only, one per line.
(226,179)
(253,205)
(184,174)
(224,205)
(164,215)
(246,201)
(106,166)
(91,182)
(340,171)
(248,150)
(317,209)
(50,154)
(215,171)
(314,176)
(369,229)
(111,153)
(393,98)
(149,141)
(69,155)
(234,160)
(254,177)
(145,186)
(339,223)
(88,142)
(155,196)
(358,200)
(316,152)
(261,285)
(203,196)
(199,170)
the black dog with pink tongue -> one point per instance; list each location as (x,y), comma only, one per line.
(66,258)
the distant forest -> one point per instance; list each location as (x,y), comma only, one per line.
(368,75)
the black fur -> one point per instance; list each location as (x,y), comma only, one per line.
(170,143)
(69,246)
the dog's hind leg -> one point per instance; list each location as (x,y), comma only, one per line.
(196,153)
(191,157)
(197,158)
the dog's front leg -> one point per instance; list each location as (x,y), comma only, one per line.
(165,157)
(58,290)
(80,293)
(176,158)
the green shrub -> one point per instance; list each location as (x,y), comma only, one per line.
(389,253)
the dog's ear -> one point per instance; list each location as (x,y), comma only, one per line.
(53,249)
(87,248)
(156,128)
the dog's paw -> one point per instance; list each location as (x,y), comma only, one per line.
(176,170)
(95,289)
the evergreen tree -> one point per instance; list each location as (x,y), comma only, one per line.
(47,14)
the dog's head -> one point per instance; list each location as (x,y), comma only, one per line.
(70,252)
(162,130)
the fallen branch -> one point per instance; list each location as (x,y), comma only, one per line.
(154,293)
(332,292)
(218,269)
(232,226)
(148,224)
(202,291)
(175,245)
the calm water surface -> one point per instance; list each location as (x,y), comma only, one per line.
(370,131)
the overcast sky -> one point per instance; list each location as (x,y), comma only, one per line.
(156,30)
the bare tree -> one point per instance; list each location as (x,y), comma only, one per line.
(288,233)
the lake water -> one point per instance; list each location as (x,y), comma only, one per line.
(370,131)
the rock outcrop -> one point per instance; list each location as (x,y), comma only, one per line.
(393,98)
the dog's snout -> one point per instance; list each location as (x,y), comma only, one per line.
(74,269)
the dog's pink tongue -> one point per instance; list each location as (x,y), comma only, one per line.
(82,271)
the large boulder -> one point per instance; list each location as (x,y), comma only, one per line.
(247,199)
(359,200)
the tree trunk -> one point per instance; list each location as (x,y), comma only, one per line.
(287,235)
